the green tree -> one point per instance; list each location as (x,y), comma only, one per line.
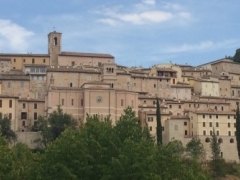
(5,129)
(236,57)
(54,125)
(238,130)
(159,123)
(216,162)
(172,165)
(195,149)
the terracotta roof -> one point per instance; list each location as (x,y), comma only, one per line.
(30,100)
(70,69)
(196,70)
(181,86)
(80,54)
(14,77)
(165,69)
(179,117)
(213,112)
(8,96)
(5,59)
(23,55)
(35,65)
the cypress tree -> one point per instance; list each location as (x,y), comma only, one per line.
(238,130)
(159,124)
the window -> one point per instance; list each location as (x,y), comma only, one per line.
(24,60)
(210,124)
(203,116)
(35,116)
(23,124)
(204,124)
(44,60)
(220,140)
(0,103)
(211,133)
(204,133)
(23,115)
(231,140)
(150,128)
(228,117)
(153,102)
(70,84)
(170,106)
(185,123)
(14,60)
(81,102)
(216,116)
(55,41)
(210,116)
(35,105)
(150,119)
(207,140)
(217,124)
(9,84)
(10,115)
(23,105)
(72,102)
(176,127)
(62,102)
(229,125)
(10,103)
(154,85)
(122,102)
(229,133)
(186,133)
(33,61)
(179,106)
(217,132)
(189,105)
(162,128)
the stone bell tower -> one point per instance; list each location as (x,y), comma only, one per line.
(54,46)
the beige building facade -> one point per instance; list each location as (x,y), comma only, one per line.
(193,99)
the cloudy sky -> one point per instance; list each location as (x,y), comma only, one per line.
(136,32)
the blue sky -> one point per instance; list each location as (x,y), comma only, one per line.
(136,32)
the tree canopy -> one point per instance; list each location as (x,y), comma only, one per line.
(5,129)
(236,57)
(100,150)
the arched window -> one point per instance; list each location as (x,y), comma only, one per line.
(207,140)
(231,140)
(220,140)
(55,41)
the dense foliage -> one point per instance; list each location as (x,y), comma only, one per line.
(99,150)
(236,57)
(5,129)
(54,125)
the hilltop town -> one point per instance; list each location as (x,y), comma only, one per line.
(193,99)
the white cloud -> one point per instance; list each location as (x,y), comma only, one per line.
(173,6)
(15,37)
(108,21)
(202,46)
(150,2)
(150,16)
(143,14)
